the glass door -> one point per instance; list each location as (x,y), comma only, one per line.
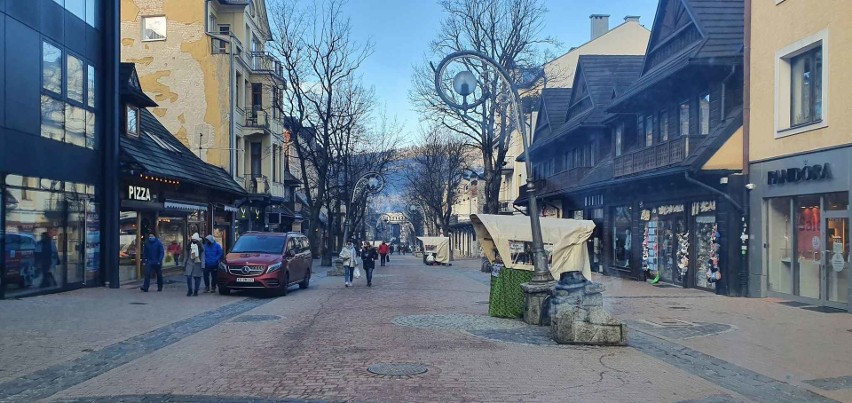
(837,258)
(74,240)
(808,229)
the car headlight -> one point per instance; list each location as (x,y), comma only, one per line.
(223,266)
(274,267)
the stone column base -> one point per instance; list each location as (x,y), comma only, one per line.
(536,297)
(338,269)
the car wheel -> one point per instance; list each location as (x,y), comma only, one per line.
(306,282)
(284,285)
(224,290)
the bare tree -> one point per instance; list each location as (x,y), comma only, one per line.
(324,101)
(509,32)
(434,175)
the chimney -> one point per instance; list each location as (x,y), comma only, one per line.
(630,18)
(600,24)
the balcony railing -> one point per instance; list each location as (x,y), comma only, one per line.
(221,44)
(263,62)
(506,206)
(256,184)
(657,156)
(257,118)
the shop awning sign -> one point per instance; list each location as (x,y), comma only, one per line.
(795,175)
(184,206)
(139,193)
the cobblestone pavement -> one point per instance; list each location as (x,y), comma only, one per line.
(316,345)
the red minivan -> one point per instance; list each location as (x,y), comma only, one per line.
(266,260)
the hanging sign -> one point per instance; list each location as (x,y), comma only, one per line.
(837,262)
(139,193)
(795,175)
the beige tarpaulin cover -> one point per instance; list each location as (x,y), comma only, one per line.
(567,237)
(441,245)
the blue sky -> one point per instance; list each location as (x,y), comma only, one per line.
(401,31)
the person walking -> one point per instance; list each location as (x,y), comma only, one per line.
(192,268)
(47,259)
(212,256)
(390,252)
(153,254)
(368,258)
(348,255)
(383,252)
(174,251)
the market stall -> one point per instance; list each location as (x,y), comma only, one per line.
(436,250)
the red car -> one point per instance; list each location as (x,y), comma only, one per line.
(266,260)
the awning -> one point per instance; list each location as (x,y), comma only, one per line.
(184,206)
(231,209)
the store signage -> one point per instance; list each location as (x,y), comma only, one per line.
(795,175)
(138,193)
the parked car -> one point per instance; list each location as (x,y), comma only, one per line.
(20,259)
(266,260)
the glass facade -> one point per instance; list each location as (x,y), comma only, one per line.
(51,234)
(68,100)
(621,237)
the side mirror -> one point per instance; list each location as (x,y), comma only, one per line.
(291,253)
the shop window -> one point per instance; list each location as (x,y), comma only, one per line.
(621,236)
(683,118)
(780,243)
(153,28)
(664,126)
(704,113)
(808,245)
(707,249)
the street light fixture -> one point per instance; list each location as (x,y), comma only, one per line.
(370,183)
(465,83)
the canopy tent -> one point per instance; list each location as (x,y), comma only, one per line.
(437,245)
(503,237)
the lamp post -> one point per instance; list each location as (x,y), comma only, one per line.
(465,84)
(370,183)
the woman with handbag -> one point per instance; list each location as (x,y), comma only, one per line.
(369,256)
(192,265)
(348,255)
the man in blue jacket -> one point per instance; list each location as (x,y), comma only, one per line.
(212,256)
(153,254)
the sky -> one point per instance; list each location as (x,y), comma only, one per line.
(402,29)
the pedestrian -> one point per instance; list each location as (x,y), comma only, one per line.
(383,252)
(348,255)
(193,266)
(368,257)
(48,259)
(398,249)
(153,254)
(212,256)
(390,252)
(174,251)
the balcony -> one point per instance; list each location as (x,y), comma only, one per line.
(260,119)
(261,185)
(505,207)
(564,180)
(221,45)
(265,63)
(657,156)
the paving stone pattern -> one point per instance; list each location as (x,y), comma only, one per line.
(183,399)
(256,318)
(729,376)
(51,380)
(698,329)
(843,382)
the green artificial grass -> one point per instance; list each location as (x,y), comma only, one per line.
(507,297)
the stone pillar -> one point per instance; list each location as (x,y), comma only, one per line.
(577,315)
(536,297)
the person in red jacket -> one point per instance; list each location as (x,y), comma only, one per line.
(383,252)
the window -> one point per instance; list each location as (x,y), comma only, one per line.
(684,118)
(239,89)
(75,125)
(619,139)
(75,79)
(806,87)
(664,126)
(704,113)
(91,87)
(224,30)
(649,130)
(132,121)
(640,129)
(621,236)
(52,118)
(51,68)
(154,28)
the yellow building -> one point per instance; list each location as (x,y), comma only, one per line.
(627,38)
(219,91)
(800,148)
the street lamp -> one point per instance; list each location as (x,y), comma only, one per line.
(465,83)
(370,183)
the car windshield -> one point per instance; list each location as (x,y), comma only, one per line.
(259,244)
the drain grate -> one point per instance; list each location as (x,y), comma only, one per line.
(256,318)
(670,323)
(138,303)
(397,370)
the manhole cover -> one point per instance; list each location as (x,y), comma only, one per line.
(670,323)
(138,303)
(397,369)
(256,318)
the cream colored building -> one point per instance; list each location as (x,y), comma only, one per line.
(218,88)
(800,150)
(627,38)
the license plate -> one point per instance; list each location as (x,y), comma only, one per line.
(245,280)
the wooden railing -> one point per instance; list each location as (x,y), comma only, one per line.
(656,156)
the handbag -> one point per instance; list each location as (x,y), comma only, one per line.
(357,273)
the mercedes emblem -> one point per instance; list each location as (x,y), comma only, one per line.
(246,270)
